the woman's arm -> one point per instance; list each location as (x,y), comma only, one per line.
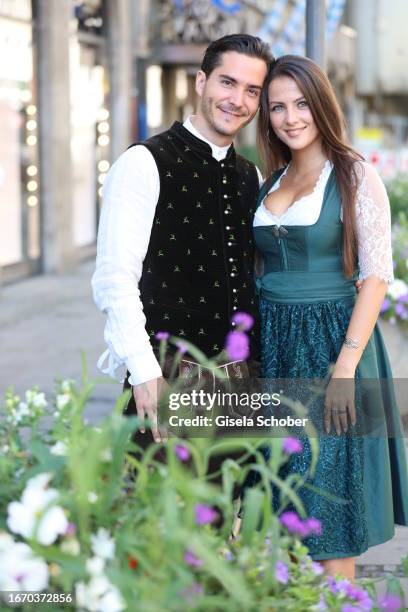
(373,224)
(363,319)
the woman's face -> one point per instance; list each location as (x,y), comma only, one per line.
(290,115)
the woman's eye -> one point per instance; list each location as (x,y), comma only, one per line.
(277,107)
(302,104)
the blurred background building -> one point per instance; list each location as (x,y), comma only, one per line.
(81,80)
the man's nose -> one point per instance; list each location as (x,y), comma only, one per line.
(237,96)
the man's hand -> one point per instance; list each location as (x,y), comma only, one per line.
(147,397)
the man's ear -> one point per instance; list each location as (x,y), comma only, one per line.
(200,82)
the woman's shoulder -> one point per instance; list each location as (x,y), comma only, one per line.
(369,182)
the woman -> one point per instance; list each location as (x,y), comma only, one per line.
(323,221)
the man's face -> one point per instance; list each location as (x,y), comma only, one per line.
(230,95)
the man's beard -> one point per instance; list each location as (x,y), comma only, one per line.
(206,108)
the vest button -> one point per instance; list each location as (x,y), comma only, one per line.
(234,290)
(232,274)
(225,196)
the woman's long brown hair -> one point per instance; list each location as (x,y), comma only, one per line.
(330,122)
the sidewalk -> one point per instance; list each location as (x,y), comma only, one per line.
(45,323)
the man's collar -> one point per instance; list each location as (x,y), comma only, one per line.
(217,152)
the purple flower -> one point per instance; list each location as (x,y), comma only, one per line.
(70,530)
(322,605)
(360,595)
(291,521)
(237,345)
(204,514)
(400,310)
(333,585)
(390,602)
(181,347)
(292,445)
(349,608)
(191,559)
(282,572)
(182,452)
(385,305)
(313,525)
(404,299)
(162,335)
(191,592)
(317,569)
(295,525)
(243,320)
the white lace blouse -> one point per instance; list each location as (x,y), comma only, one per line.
(373,219)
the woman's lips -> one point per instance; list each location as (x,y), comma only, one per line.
(295,132)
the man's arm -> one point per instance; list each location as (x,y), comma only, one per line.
(130,196)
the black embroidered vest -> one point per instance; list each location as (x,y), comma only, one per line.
(198,269)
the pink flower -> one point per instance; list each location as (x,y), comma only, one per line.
(191,559)
(292,445)
(204,514)
(162,335)
(243,320)
(182,452)
(237,345)
(282,572)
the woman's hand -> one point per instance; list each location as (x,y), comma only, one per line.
(339,404)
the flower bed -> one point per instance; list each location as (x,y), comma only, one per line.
(77,520)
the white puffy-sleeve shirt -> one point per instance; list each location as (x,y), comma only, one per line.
(373,219)
(130,195)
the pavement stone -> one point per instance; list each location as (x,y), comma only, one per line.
(45,323)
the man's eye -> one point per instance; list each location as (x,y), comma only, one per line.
(253,92)
(226,82)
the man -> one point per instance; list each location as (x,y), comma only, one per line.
(175,248)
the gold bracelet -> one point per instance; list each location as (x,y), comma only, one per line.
(350,343)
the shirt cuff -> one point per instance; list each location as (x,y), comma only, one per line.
(143,369)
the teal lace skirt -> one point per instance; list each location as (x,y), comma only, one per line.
(360,486)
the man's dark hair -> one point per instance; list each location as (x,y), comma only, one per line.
(240,43)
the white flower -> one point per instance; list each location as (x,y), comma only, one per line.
(59,449)
(92,497)
(6,541)
(106,455)
(37,399)
(397,289)
(71,546)
(99,595)
(67,384)
(22,570)
(102,544)
(62,401)
(95,566)
(36,515)
(20,412)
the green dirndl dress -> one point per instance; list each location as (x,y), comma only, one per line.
(305,307)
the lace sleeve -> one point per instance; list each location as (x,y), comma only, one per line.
(373,221)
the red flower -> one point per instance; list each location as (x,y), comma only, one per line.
(132,562)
